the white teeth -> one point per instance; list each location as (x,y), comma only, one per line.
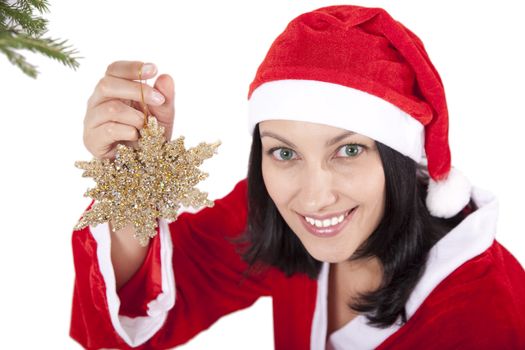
(327,222)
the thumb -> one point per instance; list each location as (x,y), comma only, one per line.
(165,113)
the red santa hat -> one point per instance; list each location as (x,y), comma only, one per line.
(359,69)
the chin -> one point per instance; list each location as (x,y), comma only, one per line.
(328,255)
(329,259)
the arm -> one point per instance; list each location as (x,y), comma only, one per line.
(127,255)
(191,276)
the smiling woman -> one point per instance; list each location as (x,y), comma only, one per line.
(328,178)
(352,217)
(340,197)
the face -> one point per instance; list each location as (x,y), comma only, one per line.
(327,183)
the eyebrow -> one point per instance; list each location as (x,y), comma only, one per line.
(328,143)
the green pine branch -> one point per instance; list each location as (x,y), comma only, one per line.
(21,30)
(21,17)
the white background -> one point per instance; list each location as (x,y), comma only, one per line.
(212,49)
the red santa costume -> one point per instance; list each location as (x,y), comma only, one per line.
(472,292)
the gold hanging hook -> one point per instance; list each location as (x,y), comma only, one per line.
(144,105)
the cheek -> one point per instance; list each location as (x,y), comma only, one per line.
(372,187)
(372,193)
(276,182)
(364,183)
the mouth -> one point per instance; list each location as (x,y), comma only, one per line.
(328,226)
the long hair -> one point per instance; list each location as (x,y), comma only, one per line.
(401,241)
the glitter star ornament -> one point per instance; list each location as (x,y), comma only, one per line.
(147,183)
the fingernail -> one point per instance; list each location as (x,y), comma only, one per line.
(157,97)
(148,69)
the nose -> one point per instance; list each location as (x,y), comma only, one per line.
(316,190)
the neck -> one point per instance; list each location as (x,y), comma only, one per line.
(356,277)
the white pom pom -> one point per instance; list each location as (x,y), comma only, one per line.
(448,197)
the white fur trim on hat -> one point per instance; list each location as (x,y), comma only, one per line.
(339,106)
(448,197)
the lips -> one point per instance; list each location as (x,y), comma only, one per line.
(312,223)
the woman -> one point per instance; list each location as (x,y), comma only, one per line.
(351,217)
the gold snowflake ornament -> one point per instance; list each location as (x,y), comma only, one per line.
(142,185)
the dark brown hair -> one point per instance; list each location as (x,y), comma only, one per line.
(401,241)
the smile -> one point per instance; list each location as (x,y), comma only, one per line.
(326,222)
(327,227)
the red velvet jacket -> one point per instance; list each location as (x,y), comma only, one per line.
(472,295)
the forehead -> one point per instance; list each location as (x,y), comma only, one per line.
(292,129)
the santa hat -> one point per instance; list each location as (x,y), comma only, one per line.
(358,69)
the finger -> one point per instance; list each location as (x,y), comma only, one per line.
(165,112)
(130,70)
(113,111)
(108,134)
(111,151)
(111,87)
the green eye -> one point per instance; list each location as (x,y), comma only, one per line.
(351,150)
(283,154)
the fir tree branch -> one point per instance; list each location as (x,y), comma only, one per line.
(21,19)
(51,48)
(40,5)
(20,61)
(20,29)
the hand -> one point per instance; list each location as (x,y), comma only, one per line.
(114,110)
